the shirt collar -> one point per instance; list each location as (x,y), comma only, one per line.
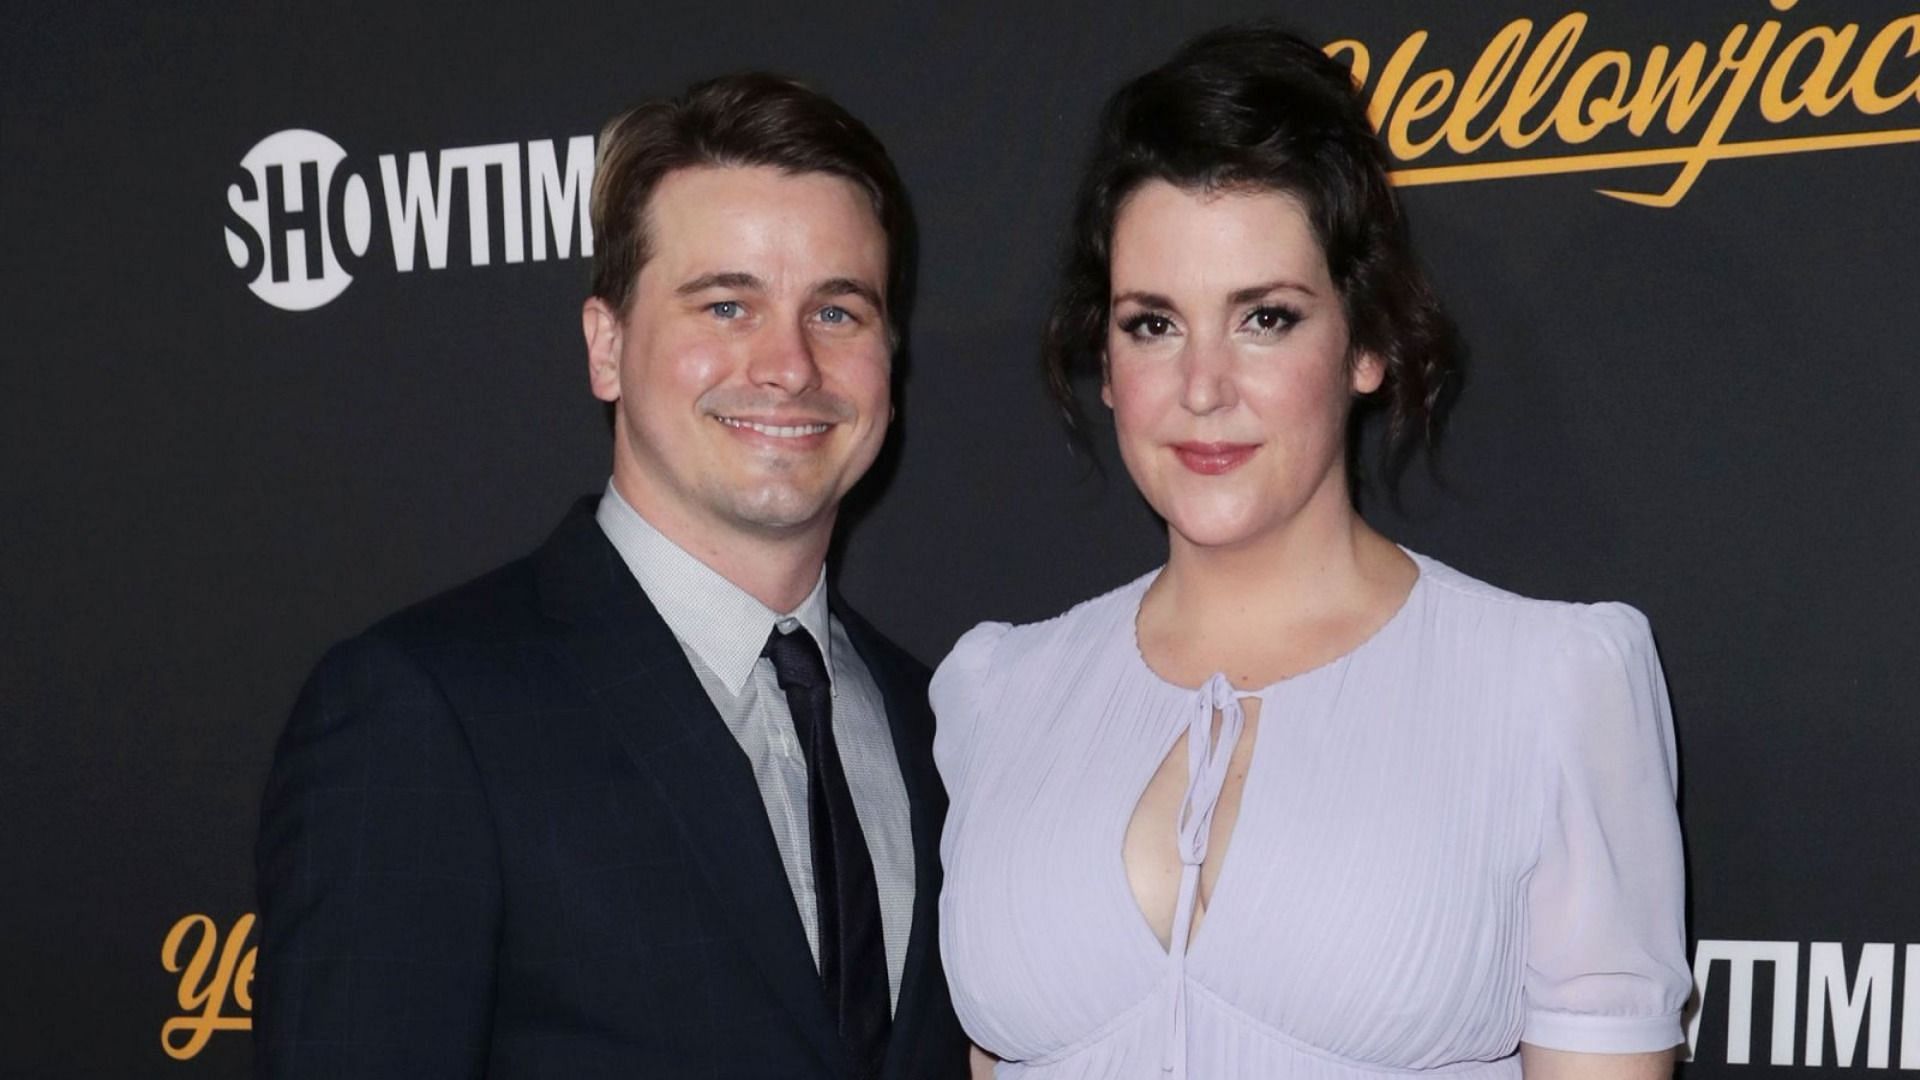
(718,621)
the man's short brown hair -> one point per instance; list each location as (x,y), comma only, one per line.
(750,119)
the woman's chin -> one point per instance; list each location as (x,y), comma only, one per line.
(1216,531)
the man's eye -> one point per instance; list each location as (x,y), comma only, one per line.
(1147,325)
(726,309)
(835,315)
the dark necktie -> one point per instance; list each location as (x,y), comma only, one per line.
(853,956)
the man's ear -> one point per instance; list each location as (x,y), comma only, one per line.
(601,325)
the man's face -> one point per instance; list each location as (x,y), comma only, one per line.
(751,369)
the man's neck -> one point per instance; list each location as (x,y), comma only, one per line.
(779,570)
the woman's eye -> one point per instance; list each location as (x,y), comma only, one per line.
(1270,319)
(726,309)
(1147,325)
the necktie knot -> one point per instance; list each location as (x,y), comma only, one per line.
(796,660)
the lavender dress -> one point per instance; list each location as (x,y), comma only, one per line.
(1458,836)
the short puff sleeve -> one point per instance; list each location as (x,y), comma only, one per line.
(1606,962)
(958,694)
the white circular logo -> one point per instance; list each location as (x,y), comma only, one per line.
(290,211)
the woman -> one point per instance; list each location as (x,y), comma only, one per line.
(1301,803)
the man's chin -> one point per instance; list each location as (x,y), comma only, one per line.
(781,513)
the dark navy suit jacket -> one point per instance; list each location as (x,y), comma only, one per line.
(507,835)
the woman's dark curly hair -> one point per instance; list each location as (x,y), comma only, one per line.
(1252,107)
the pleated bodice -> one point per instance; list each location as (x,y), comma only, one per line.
(1418,878)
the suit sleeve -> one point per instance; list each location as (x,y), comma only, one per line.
(378,879)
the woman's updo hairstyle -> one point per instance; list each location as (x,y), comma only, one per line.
(1252,107)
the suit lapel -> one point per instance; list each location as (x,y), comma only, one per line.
(910,723)
(653,705)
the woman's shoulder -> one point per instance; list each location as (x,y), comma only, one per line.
(1526,621)
(1579,669)
(998,662)
(1001,649)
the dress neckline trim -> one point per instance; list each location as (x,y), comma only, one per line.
(1421,565)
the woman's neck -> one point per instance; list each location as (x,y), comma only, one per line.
(1324,550)
(1282,602)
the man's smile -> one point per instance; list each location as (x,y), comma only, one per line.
(777,431)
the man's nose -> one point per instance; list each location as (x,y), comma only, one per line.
(783,356)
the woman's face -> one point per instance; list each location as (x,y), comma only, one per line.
(1227,362)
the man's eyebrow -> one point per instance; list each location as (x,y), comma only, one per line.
(726,279)
(846,286)
(1255,292)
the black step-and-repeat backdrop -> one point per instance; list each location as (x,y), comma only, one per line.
(291,338)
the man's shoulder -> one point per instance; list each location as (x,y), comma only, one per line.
(499,605)
(475,645)
(505,603)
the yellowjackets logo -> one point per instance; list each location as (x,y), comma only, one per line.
(214,976)
(1534,91)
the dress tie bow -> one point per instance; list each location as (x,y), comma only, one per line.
(1208,757)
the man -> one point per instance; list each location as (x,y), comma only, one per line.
(650,802)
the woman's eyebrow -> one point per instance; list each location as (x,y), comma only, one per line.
(1144,299)
(1255,292)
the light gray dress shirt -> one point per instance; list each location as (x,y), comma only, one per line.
(722,629)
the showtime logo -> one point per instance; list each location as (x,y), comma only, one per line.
(303,217)
(1857,1010)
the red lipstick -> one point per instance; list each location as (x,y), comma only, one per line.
(1213,458)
